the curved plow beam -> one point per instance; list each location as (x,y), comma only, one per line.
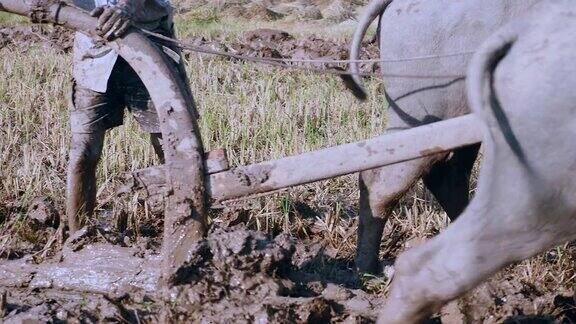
(185,221)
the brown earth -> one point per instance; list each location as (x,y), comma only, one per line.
(277,44)
(262,43)
(235,275)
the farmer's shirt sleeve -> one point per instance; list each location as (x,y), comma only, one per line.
(94,60)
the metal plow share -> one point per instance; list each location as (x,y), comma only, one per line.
(192,180)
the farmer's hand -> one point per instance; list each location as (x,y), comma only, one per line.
(113,21)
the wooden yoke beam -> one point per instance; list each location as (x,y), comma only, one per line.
(330,162)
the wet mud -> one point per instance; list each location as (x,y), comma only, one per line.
(235,275)
(505,299)
(44,36)
(259,43)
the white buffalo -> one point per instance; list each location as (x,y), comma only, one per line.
(452,31)
(522,86)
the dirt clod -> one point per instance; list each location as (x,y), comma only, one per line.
(46,36)
(270,43)
(254,277)
(42,213)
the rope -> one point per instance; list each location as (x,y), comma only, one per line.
(195,48)
(334,70)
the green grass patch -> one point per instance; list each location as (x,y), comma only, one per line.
(11,19)
(204,20)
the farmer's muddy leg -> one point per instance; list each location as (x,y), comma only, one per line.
(91,114)
(449,180)
(85,152)
(380,190)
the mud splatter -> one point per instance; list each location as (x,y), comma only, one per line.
(246,276)
(46,36)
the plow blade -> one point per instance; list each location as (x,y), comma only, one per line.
(328,163)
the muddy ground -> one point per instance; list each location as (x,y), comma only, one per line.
(45,36)
(108,271)
(236,275)
(261,43)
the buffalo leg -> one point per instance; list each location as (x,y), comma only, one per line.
(504,223)
(380,190)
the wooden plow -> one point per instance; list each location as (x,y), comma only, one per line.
(192,180)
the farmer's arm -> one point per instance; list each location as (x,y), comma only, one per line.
(113,21)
